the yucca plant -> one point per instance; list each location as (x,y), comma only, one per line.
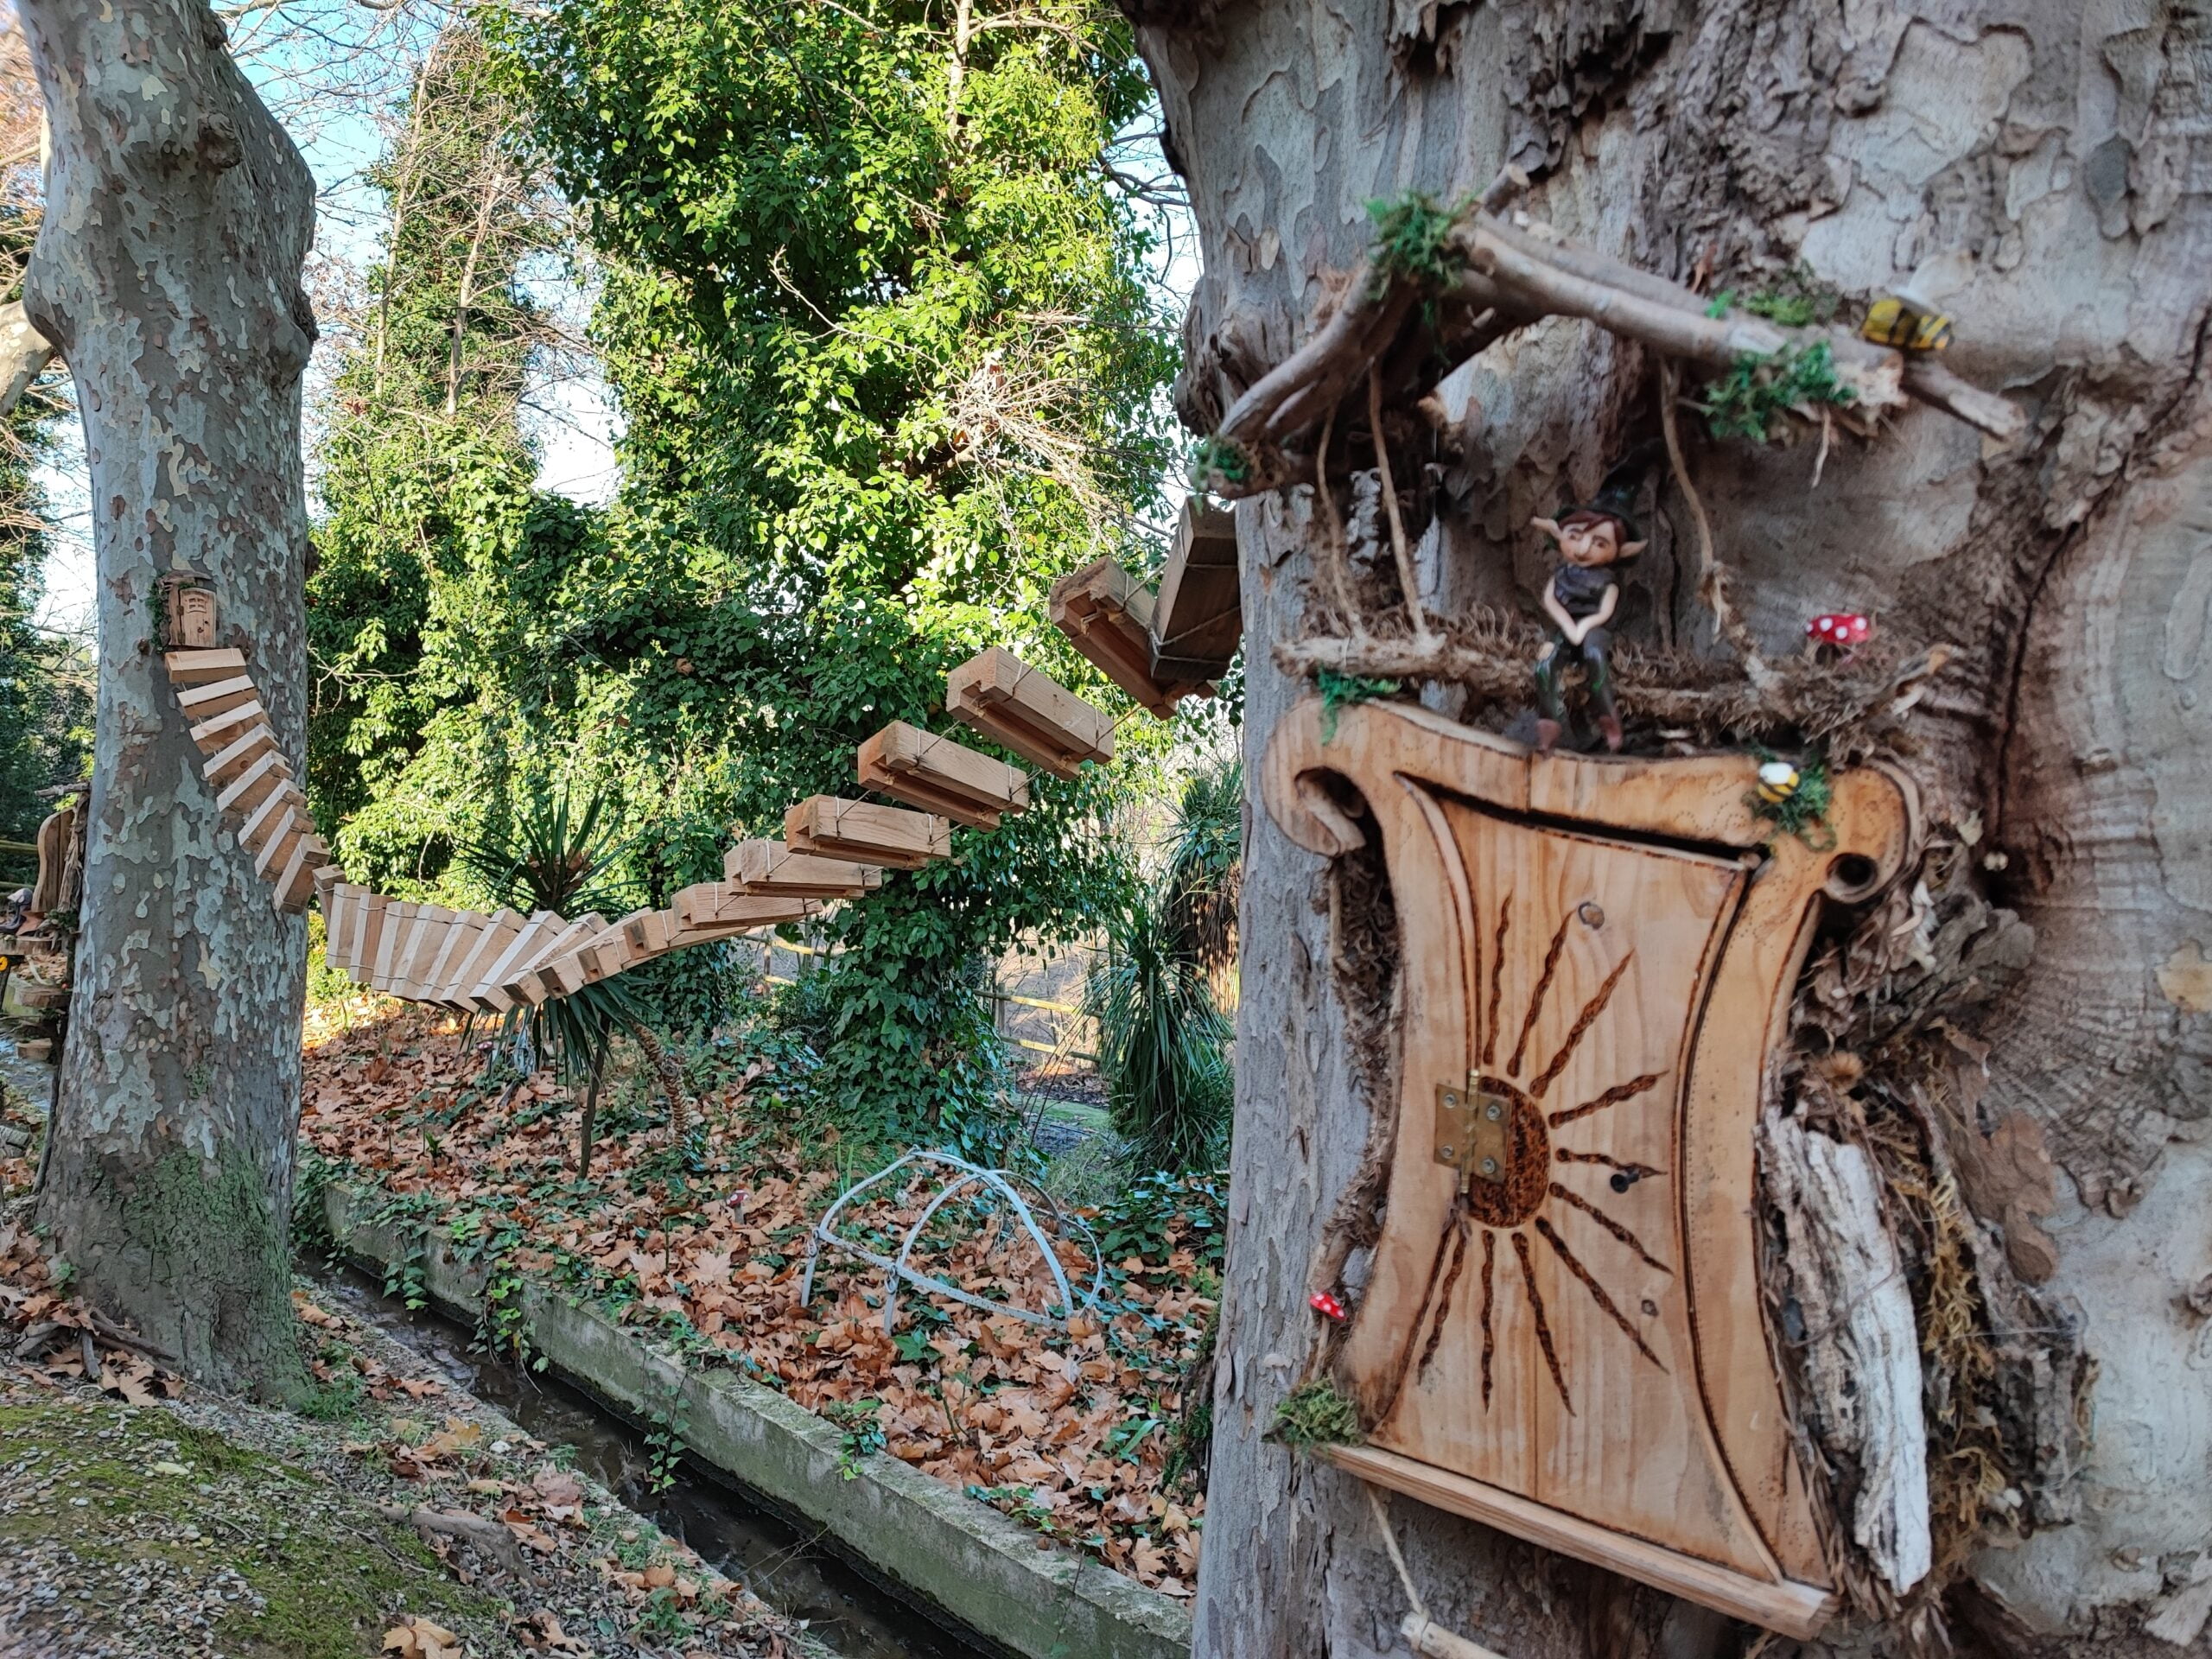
(552,857)
(1162,1038)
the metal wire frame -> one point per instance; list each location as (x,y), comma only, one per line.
(962,1176)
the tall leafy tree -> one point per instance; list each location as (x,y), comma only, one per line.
(875,317)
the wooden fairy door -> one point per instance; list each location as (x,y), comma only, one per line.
(1561,1332)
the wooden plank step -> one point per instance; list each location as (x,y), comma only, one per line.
(1107,613)
(198,667)
(295,885)
(889,836)
(1029,711)
(241,750)
(941,776)
(723,905)
(499,932)
(1197,621)
(219,731)
(202,702)
(764,868)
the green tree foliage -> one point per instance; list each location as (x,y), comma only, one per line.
(440,571)
(875,319)
(1162,1036)
(46,681)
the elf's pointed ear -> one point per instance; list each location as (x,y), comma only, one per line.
(1631,549)
(1549,526)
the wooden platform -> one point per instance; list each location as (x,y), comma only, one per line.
(1108,614)
(1197,621)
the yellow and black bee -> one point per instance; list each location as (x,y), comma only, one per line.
(1910,316)
(1907,324)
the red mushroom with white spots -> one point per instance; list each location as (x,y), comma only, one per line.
(1844,630)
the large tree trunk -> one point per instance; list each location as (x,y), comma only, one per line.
(2060,147)
(168,273)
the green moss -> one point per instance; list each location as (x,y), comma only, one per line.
(1316,1413)
(1218,458)
(1340,691)
(1751,400)
(331,1571)
(217,1216)
(1412,242)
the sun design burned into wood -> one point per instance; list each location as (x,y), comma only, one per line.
(1560,1332)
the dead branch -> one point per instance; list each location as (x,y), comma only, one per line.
(1848,707)
(489,1539)
(1521,275)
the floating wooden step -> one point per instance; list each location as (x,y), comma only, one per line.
(1197,621)
(500,930)
(216,696)
(489,986)
(1029,711)
(889,835)
(268,774)
(713,910)
(295,885)
(941,776)
(762,869)
(1107,613)
(534,983)
(198,667)
(241,752)
(216,733)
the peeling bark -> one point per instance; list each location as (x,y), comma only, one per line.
(1862,1355)
(1733,141)
(166,273)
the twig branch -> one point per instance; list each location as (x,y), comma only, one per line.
(1407,578)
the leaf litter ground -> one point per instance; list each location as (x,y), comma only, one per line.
(701,1246)
(142,1519)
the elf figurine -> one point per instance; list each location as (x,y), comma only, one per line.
(1580,599)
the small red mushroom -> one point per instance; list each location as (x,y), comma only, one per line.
(1328,1305)
(1842,629)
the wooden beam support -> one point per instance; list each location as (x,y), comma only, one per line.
(1197,622)
(1026,710)
(940,775)
(1107,613)
(889,835)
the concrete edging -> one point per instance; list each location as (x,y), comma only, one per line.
(985,1570)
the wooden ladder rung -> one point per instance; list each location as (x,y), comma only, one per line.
(762,868)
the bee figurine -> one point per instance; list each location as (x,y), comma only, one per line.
(1778,781)
(1906,324)
(1910,317)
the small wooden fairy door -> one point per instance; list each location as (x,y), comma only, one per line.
(191,613)
(1562,1334)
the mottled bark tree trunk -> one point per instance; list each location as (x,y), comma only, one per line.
(2065,149)
(168,273)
